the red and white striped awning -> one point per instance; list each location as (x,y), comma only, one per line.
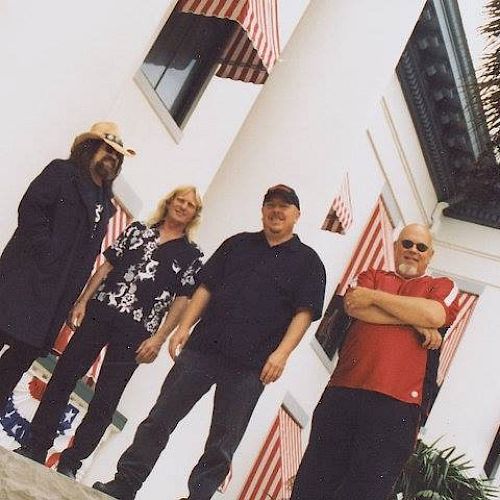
(276,465)
(254,48)
(466,302)
(374,250)
(339,218)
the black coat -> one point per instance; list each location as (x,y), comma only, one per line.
(49,258)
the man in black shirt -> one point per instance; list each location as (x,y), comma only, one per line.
(62,219)
(258,294)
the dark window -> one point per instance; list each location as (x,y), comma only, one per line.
(333,327)
(183,59)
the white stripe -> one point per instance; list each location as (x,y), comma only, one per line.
(452,295)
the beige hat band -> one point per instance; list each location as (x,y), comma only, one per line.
(107,132)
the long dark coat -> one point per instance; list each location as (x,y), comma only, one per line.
(49,258)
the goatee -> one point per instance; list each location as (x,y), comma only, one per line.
(407,269)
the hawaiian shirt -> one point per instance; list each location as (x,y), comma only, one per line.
(147,276)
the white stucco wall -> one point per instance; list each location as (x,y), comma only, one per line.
(67,66)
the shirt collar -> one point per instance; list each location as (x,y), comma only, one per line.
(292,244)
(425,275)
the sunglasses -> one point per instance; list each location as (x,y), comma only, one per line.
(421,247)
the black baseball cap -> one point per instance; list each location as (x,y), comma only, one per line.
(284,192)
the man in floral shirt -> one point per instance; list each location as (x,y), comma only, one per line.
(149,273)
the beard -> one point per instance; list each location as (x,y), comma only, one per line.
(107,169)
(406,269)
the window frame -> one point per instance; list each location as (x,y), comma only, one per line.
(175,122)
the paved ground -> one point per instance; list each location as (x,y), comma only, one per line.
(22,479)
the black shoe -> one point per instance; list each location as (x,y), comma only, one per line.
(34,454)
(67,471)
(115,489)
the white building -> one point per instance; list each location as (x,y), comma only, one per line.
(333,105)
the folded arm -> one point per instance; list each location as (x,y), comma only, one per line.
(416,311)
(370,314)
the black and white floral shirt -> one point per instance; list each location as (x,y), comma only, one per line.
(146,276)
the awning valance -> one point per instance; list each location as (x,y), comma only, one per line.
(254,48)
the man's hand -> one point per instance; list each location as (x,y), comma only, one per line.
(274,367)
(359,297)
(76,315)
(148,350)
(431,337)
(177,342)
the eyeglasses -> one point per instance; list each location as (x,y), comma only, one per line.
(421,247)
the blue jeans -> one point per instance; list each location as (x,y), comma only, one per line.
(236,394)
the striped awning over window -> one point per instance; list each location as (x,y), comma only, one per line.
(466,302)
(339,217)
(276,465)
(254,48)
(374,250)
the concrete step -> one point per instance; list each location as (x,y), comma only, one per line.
(23,479)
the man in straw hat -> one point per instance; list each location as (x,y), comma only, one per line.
(258,294)
(61,223)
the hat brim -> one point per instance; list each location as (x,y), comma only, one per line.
(125,151)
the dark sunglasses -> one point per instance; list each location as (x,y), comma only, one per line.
(421,247)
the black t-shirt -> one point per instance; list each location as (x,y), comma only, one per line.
(146,276)
(256,290)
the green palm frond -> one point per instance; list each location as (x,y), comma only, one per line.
(436,474)
(489,73)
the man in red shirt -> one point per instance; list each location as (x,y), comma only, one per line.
(365,425)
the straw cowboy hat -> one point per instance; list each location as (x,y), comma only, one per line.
(107,132)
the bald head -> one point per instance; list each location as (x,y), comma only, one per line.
(413,250)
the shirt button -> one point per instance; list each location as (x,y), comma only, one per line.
(414,394)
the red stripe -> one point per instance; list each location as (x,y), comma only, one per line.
(467,302)
(277,462)
(273,484)
(374,249)
(358,253)
(258,20)
(253,478)
(291,451)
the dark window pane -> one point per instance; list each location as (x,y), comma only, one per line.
(184,57)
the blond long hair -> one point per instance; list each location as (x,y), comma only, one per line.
(161,209)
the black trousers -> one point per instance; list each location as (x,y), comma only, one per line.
(13,363)
(101,326)
(359,443)
(237,391)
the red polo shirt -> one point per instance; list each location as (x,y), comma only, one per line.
(390,358)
